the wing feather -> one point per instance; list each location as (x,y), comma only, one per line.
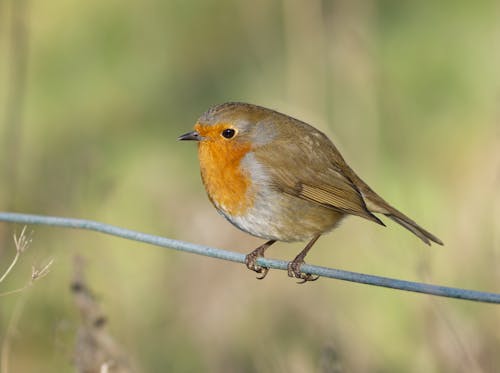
(327,185)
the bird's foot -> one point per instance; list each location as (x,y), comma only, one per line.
(294,271)
(251,263)
(251,260)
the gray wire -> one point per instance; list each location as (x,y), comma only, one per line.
(443,291)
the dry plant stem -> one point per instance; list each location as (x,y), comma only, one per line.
(10,267)
(36,274)
(22,244)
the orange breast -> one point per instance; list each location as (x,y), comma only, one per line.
(227,185)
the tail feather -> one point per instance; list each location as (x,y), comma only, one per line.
(376,204)
(413,227)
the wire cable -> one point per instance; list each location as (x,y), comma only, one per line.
(443,291)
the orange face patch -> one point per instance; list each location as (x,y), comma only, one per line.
(226,183)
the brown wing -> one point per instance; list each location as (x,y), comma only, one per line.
(312,170)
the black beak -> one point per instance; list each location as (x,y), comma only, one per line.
(193,135)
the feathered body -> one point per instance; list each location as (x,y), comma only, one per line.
(282,179)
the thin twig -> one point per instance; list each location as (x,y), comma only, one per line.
(36,274)
(22,244)
(12,264)
(443,291)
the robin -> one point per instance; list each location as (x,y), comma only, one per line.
(280,179)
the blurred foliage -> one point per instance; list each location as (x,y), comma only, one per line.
(409,91)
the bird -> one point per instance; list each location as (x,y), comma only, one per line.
(280,179)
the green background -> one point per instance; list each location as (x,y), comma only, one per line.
(408,91)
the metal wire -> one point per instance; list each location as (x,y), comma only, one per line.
(443,291)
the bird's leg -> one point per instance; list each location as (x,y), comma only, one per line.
(251,259)
(294,266)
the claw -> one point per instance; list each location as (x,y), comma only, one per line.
(307,277)
(294,271)
(251,260)
(294,265)
(264,271)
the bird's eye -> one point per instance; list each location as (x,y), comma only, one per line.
(228,133)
